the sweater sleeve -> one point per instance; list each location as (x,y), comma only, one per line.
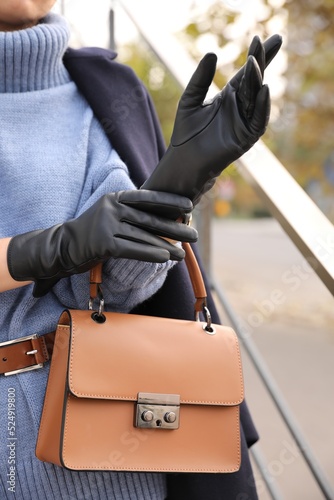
(126,283)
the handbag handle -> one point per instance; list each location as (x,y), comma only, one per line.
(195,275)
(196,278)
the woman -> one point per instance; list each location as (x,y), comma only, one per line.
(67,202)
(56,163)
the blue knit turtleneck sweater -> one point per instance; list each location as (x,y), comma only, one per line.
(55,162)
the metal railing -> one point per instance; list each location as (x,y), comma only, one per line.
(287,202)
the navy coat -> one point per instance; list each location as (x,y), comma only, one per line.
(121,103)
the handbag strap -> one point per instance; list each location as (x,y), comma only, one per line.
(194,271)
(196,278)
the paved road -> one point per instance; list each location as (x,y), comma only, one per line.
(289,314)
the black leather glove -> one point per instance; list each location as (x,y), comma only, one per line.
(207,137)
(109,228)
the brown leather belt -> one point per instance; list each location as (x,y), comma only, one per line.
(30,353)
(25,354)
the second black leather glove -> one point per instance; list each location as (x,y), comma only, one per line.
(207,137)
(109,228)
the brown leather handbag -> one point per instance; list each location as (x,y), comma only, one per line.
(139,393)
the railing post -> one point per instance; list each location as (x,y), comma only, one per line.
(112,43)
(276,395)
(203,216)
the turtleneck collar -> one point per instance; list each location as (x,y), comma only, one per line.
(31,59)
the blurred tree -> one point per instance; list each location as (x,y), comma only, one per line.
(305,131)
(301,130)
(227,27)
(164,90)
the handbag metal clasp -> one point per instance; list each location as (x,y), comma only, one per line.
(157,411)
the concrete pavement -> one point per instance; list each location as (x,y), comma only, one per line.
(289,314)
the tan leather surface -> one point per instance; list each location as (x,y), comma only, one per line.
(47,448)
(110,361)
(101,436)
(195,277)
(130,353)
(95,279)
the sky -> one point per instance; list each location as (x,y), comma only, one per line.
(89,27)
(88,18)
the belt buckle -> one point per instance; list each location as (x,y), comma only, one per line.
(36,366)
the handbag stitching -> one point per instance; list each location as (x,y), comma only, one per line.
(151,469)
(133,398)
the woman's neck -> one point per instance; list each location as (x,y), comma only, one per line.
(31,59)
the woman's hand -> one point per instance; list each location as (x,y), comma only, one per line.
(209,136)
(112,227)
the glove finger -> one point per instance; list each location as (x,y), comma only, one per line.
(271,47)
(261,114)
(159,226)
(169,205)
(200,82)
(250,85)
(138,234)
(150,250)
(256,49)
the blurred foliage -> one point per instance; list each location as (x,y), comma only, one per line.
(305,131)
(302,129)
(164,90)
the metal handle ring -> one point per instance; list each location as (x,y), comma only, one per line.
(208,328)
(98,315)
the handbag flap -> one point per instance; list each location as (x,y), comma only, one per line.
(128,354)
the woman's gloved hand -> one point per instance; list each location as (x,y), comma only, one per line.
(209,136)
(112,227)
